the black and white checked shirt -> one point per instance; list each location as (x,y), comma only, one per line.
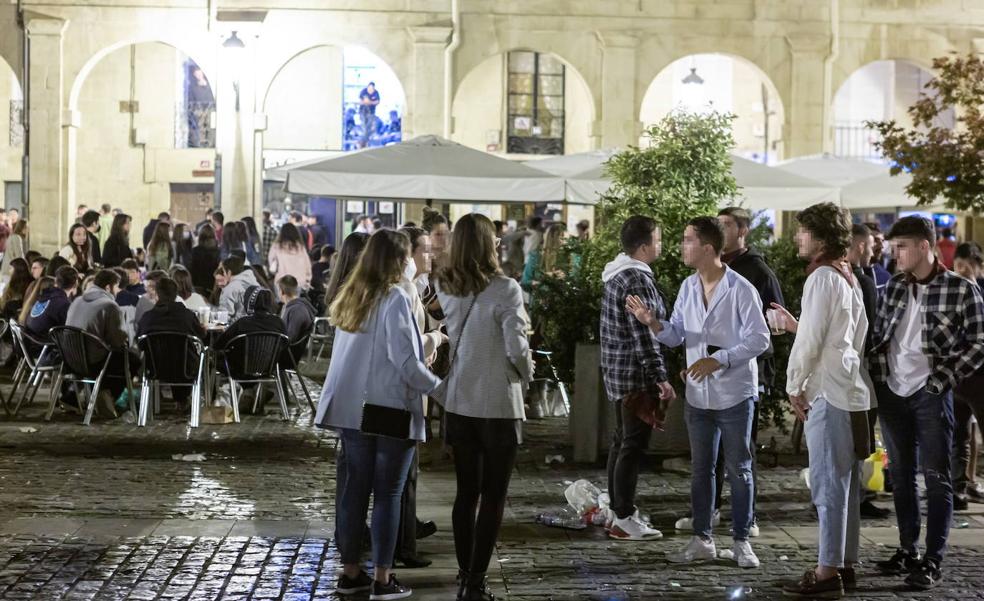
(631,358)
(953,328)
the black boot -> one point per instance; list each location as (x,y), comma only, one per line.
(476,589)
(462,583)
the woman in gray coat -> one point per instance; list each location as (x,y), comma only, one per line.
(490,369)
(377,359)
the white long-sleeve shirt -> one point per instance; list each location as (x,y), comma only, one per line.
(826,358)
(733,323)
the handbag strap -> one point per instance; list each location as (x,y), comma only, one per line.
(464,322)
(372,353)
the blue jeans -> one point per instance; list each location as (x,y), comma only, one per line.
(921,422)
(732,428)
(378,466)
(835,483)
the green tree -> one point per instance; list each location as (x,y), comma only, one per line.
(684,172)
(945,162)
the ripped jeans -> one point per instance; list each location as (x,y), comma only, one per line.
(918,432)
(732,429)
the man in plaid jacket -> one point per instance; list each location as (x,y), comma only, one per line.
(269,235)
(631,361)
(929,335)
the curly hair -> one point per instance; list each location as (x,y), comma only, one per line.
(829,224)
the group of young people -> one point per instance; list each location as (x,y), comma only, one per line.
(867,345)
(419,319)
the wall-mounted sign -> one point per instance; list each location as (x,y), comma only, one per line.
(353,206)
(386,208)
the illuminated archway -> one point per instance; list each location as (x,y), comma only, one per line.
(724,83)
(11,136)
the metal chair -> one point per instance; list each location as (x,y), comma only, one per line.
(322,334)
(172,359)
(254,358)
(289,361)
(86,358)
(33,361)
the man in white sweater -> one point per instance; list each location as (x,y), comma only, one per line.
(829,388)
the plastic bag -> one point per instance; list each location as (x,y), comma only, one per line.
(582,496)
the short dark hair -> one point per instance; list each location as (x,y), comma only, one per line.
(107,208)
(873,226)
(163,215)
(534,222)
(130,264)
(708,230)
(831,225)
(583,225)
(741,216)
(327,251)
(914,226)
(860,230)
(636,231)
(66,277)
(947,232)
(106,278)
(167,290)
(970,251)
(155,276)
(234,264)
(218,217)
(288,285)
(89,218)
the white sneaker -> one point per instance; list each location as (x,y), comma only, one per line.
(633,528)
(687,523)
(696,550)
(744,555)
(753,530)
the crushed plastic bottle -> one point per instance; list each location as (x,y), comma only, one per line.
(561,519)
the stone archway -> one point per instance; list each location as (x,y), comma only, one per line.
(725,83)
(11,136)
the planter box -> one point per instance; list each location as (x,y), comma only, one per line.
(592,416)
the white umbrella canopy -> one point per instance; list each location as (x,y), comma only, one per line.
(832,171)
(424,168)
(762,187)
(883,190)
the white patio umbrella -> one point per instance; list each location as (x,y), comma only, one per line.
(832,171)
(424,168)
(762,187)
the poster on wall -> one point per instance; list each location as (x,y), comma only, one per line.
(386,208)
(354,206)
(373,101)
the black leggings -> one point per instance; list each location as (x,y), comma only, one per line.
(483,481)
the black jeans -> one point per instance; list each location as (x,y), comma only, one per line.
(968,402)
(406,536)
(629,442)
(483,464)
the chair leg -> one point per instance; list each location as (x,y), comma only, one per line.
(91,396)
(307,394)
(38,382)
(196,394)
(144,400)
(281,397)
(157,397)
(32,386)
(18,377)
(233,389)
(56,383)
(256,399)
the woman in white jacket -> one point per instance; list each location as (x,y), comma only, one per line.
(377,359)
(828,387)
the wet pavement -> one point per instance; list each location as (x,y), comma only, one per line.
(113,511)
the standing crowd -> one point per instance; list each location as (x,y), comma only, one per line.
(428,320)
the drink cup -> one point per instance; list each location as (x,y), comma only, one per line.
(777,321)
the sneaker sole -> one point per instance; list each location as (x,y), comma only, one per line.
(686,561)
(626,537)
(390,596)
(353,591)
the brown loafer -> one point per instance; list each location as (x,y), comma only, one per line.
(849,578)
(809,587)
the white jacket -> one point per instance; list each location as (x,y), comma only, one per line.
(827,355)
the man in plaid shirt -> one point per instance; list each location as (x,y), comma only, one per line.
(929,335)
(631,361)
(269,235)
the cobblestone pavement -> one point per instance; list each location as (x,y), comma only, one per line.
(107,512)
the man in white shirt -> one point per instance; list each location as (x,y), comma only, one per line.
(829,390)
(718,316)
(929,336)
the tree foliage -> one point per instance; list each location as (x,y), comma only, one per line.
(684,172)
(945,162)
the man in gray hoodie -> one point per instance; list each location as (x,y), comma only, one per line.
(97,313)
(238,278)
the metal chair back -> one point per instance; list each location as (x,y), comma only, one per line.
(84,354)
(254,355)
(171,357)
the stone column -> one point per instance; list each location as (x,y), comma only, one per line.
(48,210)
(620,125)
(425,98)
(809,126)
(235,128)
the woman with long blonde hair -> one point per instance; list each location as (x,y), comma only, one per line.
(375,383)
(490,369)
